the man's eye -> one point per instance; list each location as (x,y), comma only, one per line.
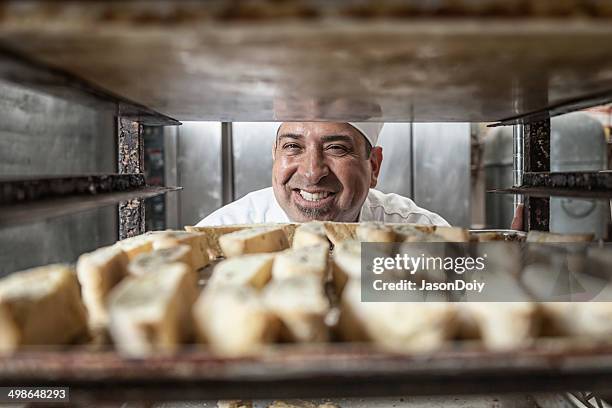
(338,149)
(291,146)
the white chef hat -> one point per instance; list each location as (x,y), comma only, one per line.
(370,130)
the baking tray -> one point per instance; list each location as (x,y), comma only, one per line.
(329,370)
(508,234)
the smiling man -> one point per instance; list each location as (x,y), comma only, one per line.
(324,171)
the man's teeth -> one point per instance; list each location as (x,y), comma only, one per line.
(314,196)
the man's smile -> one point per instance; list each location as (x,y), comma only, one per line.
(312,198)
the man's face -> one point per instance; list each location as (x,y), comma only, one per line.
(321,171)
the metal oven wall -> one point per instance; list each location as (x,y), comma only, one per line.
(43,135)
(442,170)
(252,146)
(197,146)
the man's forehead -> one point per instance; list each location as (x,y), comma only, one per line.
(317,129)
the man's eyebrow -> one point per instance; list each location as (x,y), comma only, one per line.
(293,136)
(337,138)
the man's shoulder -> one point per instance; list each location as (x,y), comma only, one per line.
(253,208)
(391,203)
(391,207)
(265,194)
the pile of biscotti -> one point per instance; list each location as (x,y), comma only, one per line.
(273,283)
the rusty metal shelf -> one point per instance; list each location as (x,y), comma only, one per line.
(33,199)
(331,370)
(409,61)
(25,71)
(585,180)
(554,192)
(29,189)
(581,184)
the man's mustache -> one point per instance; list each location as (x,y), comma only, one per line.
(325,184)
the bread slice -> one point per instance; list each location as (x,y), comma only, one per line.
(196,241)
(301,305)
(411,233)
(289,229)
(40,306)
(399,326)
(254,240)
(234,404)
(135,246)
(375,232)
(213,233)
(310,233)
(453,234)
(424,228)
(347,258)
(152,261)
(505,325)
(300,404)
(152,313)
(306,261)
(337,232)
(234,321)
(253,270)
(540,236)
(595,318)
(559,319)
(578,319)
(98,272)
(338,278)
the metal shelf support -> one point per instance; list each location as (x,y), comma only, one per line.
(130,160)
(537,159)
(518,160)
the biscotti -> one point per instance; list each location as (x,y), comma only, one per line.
(401,326)
(233,320)
(98,272)
(134,246)
(152,313)
(306,261)
(147,262)
(214,232)
(196,241)
(375,232)
(41,307)
(301,305)
(253,270)
(310,233)
(338,232)
(255,240)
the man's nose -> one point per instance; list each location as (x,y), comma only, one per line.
(313,166)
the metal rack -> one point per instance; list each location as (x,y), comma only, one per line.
(312,371)
(30,199)
(216,63)
(587,183)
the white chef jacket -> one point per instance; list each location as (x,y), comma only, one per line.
(261,207)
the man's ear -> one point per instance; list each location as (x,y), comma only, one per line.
(275,142)
(376,158)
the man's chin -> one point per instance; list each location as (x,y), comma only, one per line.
(315,213)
